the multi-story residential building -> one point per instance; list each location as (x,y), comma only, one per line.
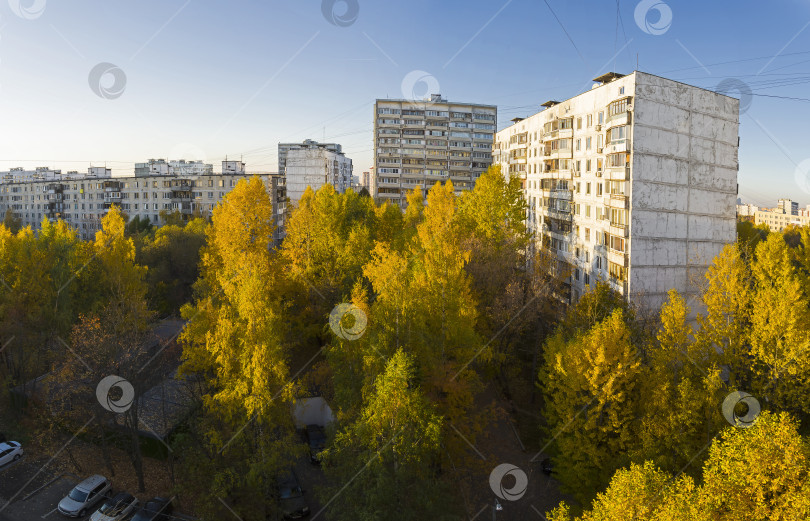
(367,181)
(178,167)
(788,207)
(417,143)
(285,148)
(83,199)
(785,214)
(314,165)
(747,210)
(633,182)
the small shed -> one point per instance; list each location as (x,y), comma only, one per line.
(311,411)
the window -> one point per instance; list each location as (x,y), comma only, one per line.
(579,142)
(601,117)
(587,214)
(589,120)
(587,236)
(588,164)
(616,271)
(621,91)
(618,217)
(588,143)
(599,141)
(619,160)
(617,107)
(598,188)
(579,123)
(587,279)
(616,134)
(588,188)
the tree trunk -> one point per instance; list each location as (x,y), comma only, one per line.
(135,449)
(105,450)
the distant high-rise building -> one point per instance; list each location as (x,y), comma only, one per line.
(788,207)
(284,149)
(417,143)
(633,182)
(313,165)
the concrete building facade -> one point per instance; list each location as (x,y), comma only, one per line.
(285,148)
(83,199)
(315,166)
(417,143)
(633,182)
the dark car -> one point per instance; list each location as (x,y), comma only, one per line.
(317,442)
(156,509)
(547,467)
(291,497)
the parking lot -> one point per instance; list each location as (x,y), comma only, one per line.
(36,492)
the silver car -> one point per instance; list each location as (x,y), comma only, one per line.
(84,496)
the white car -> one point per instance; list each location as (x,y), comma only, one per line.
(116,508)
(10,451)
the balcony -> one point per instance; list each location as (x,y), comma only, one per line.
(561,153)
(619,230)
(618,201)
(614,148)
(564,194)
(618,173)
(184,208)
(559,214)
(622,118)
(618,257)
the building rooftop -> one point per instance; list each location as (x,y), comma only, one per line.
(608,77)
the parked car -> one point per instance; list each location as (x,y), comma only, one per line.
(547,466)
(317,442)
(116,508)
(10,451)
(85,496)
(156,509)
(291,497)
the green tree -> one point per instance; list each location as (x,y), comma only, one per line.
(387,457)
(172,257)
(12,221)
(592,399)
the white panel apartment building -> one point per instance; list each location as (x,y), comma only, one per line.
(83,199)
(633,182)
(417,143)
(785,214)
(314,165)
(285,148)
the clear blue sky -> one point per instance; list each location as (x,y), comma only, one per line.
(207,78)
